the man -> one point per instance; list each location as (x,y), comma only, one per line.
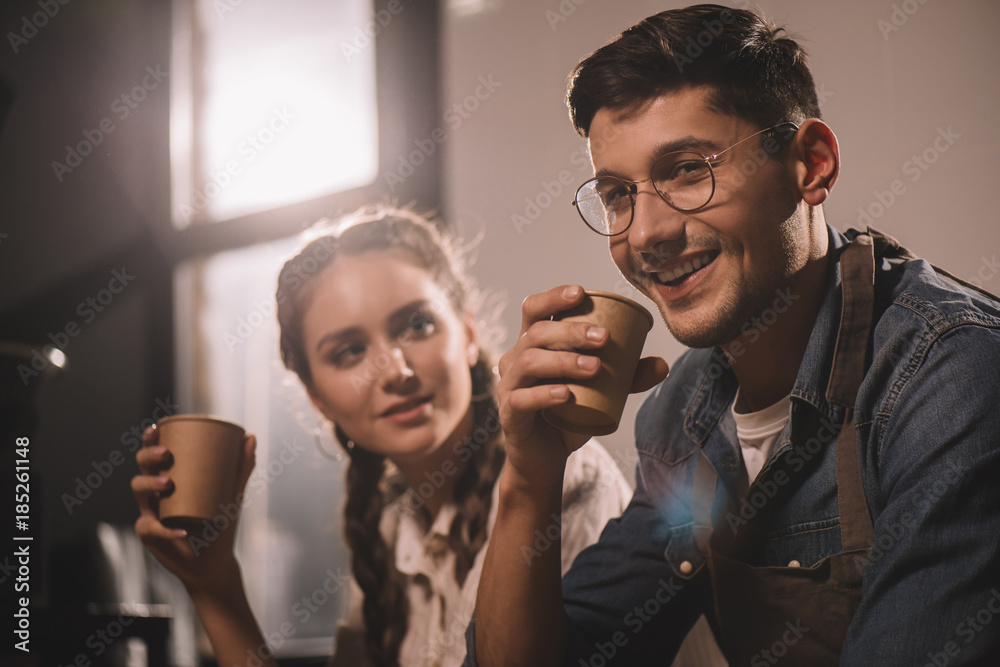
(819,474)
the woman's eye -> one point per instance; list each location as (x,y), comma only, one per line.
(419,325)
(347,355)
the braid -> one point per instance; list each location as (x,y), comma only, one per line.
(473,493)
(385,606)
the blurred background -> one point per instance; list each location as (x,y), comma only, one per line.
(158,159)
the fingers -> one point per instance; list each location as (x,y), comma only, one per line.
(147,490)
(650,372)
(150,436)
(544,305)
(153,459)
(150,530)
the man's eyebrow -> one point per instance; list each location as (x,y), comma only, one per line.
(689,143)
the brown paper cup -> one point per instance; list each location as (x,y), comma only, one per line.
(206,453)
(595,406)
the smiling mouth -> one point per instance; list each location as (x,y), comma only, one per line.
(406,406)
(676,276)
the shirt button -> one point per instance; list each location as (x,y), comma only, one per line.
(687,567)
(794,563)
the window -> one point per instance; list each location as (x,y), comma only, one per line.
(282,113)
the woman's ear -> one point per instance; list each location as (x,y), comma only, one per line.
(817,160)
(472,332)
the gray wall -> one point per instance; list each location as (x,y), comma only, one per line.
(890,80)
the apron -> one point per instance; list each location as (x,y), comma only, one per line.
(800,615)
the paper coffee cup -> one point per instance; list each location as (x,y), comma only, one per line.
(206,452)
(595,406)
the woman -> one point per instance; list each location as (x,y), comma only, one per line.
(383,336)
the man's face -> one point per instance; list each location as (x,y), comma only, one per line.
(712,270)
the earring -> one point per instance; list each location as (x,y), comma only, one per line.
(339,456)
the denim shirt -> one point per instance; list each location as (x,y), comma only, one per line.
(927,419)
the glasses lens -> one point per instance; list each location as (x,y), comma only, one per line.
(685,180)
(605,204)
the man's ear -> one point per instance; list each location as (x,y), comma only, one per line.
(817,160)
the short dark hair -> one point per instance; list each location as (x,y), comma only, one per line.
(757,72)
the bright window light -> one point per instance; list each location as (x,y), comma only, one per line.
(277,112)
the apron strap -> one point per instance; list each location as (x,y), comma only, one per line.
(857,269)
(702,497)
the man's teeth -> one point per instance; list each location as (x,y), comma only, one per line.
(688,267)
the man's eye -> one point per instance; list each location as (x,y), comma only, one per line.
(688,170)
(615,196)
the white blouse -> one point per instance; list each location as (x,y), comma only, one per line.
(594,491)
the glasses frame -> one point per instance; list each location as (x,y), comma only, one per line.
(632,187)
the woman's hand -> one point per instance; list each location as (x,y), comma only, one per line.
(199,562)
(547,350)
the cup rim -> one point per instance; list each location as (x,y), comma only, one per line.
(624,299)
(201,418)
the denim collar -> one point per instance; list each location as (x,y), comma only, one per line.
(709,403)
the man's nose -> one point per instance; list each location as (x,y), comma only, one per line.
(654,221)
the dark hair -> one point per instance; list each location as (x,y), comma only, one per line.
(755,72)
(371,483)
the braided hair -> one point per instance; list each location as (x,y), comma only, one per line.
(371,485)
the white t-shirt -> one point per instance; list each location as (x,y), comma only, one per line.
(757,432)
(594,491)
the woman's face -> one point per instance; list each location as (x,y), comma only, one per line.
(389,356)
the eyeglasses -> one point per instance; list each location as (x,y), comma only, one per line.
(683,179)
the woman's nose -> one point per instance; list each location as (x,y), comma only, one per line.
(397,371)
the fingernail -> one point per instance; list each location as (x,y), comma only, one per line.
(180,532)
(595,333)
(159,450)
(571,292)
(560,391)
(587,363)
(162,481)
